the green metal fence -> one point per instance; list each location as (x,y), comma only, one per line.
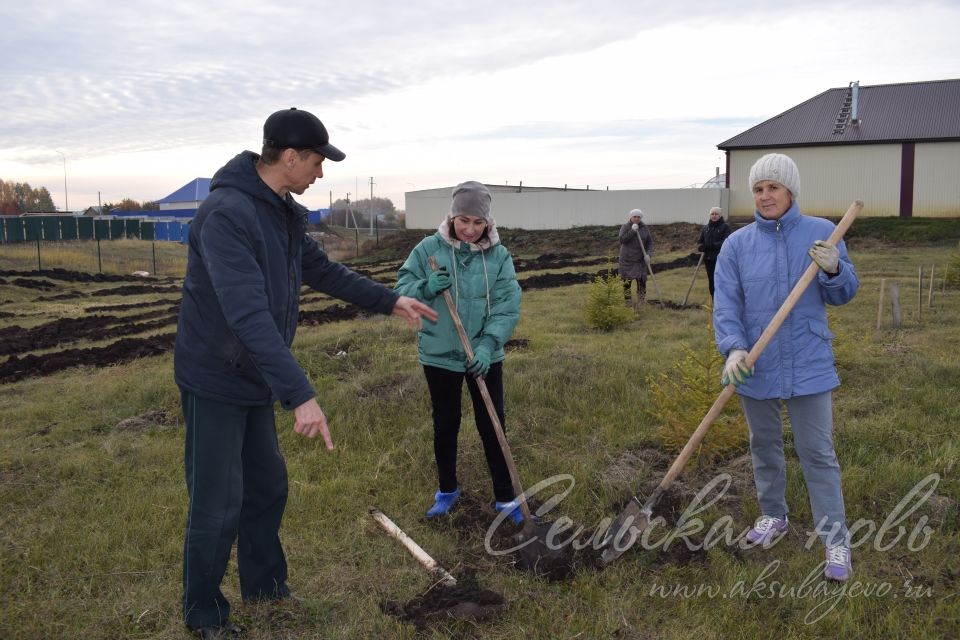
(68,228)
(55,228)
(33,229)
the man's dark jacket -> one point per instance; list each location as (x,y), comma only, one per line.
(712,236)
(249,253)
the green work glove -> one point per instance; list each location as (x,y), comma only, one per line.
(826,256)
(736,369)
(480,365)
(438,281)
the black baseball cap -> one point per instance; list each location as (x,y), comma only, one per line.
(298,129)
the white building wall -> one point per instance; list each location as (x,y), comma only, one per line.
(179,205)
(830,179)
(558,209)
(936,179)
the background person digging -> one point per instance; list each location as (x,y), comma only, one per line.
(711,240)
(756,270)
(480,275)
(248,255)
(632,262)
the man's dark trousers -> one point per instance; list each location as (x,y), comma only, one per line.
(237,487)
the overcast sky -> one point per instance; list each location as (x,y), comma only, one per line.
(141,97)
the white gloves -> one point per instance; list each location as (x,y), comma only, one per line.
(635,226)
(736,369)
(646,258)
(826,256)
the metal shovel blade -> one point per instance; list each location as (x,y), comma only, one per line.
(623,532)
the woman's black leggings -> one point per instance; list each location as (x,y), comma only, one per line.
(445,391)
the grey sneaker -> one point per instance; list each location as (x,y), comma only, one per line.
(767,529)
(839,565)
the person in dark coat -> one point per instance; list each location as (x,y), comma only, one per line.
(711,239)
(634,258)
(248,255)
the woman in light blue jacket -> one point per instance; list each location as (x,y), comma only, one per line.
(479,273)
(757,268)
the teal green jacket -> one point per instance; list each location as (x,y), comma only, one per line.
(484,289)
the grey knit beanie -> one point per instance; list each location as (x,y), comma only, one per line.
(471,198)
(778,168)
(635,212)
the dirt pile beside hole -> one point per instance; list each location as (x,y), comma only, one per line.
(539,554)
(464,601)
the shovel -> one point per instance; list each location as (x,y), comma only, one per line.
(636,516)
(692,280)
(528,522)
(646,260)
(534,553)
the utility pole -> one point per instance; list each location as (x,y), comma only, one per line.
(371,204)
(66,204)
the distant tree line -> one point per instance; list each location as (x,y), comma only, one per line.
(383,208)
(20,197)
(130,205)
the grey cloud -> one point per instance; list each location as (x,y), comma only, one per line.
(102,77)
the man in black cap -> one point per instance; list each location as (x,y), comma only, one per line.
(248,256)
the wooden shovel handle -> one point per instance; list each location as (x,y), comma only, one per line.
(761,344)
(415,550)
(692,280)
(491,410)
(647,261)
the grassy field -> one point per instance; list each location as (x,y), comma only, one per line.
(94,504)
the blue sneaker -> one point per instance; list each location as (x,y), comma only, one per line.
(513,507)
(442,503)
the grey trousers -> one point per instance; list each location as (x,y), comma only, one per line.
(811,418)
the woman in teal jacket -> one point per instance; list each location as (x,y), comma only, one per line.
(479,273)
(757,268)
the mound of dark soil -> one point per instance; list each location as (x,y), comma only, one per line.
(537,551)
(31,283)
(330,314)
(464,601)
(65,275)
(16,339)
(120,351)
(136,290)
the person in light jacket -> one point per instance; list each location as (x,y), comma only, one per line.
(479,274)
(757,268)
(711,239)
(634,257)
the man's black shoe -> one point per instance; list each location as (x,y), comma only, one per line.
(227,630)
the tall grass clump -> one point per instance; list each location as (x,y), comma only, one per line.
(605,308)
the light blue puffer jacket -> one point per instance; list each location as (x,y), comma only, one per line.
(757,268)
(485,291)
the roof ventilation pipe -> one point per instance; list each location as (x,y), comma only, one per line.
(854,107)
